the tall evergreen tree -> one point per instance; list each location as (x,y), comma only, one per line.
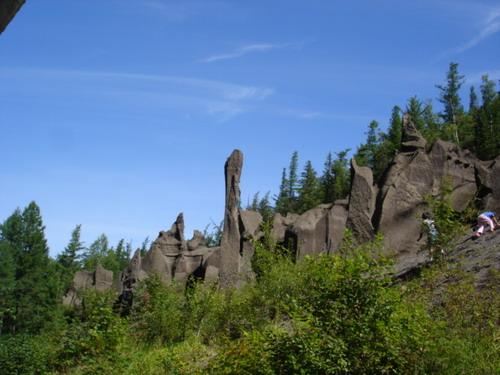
(473,100)
(395,128)
(415,110)
(341,175)
(282,203)
(309,191)
(365,155)
(35,288)
(69,258)
(96,253)
(327,180)
(488,91)
(293,180)
(450,98)
(264,207)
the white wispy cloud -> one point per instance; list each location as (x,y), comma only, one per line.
(488,25)
(250,48)
(219,99)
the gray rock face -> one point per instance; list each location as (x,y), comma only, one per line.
(100,280)
(310,232)
(488,177)
(337,219)
(361,203)
(318,230)
(411,140)
(8,9)
(171,257)
(280,225)
(410,180)
(250,222)
(230,257)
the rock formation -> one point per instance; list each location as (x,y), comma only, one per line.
(318,230)
(230,243)
(100,280)
(361,203)
(415,175)
(393,208)
(240,228)
(8,9)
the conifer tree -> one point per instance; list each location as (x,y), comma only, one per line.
(395,129)
(309,191)
(293,180)
(96,253)
(69,259)
(415,110)
(341,175)
(488,92)
(365,155)
(34,290)
(432,127)
(473,100)
(327,180)
(282,202)
(264,207)
(450,98)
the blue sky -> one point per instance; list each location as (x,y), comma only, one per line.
(118,114)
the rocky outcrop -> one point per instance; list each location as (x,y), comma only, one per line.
(361,203)
(414,176)
(240,227)
(318,230)
(8,9)
(230,256)
(171,257)
(393,208)
(411,140)
(488,180)
(101,280)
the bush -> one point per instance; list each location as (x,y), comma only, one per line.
(332,314)
(95,333)
(23,354)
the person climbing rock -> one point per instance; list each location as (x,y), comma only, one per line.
(429,227)
(487,218)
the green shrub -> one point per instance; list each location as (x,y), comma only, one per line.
(332,314)
(23,354)
(95,333)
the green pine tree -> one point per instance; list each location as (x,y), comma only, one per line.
(450,98)
(282,202)
(473,100)
(33,292)
(309,190)
(69,259)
